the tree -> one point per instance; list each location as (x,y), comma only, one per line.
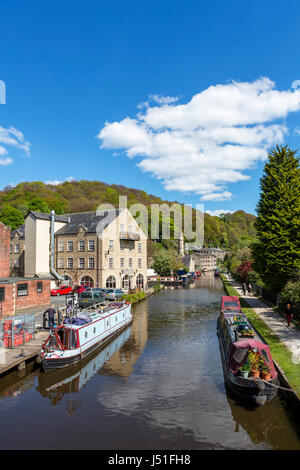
(38,204)
(11,217)
(277,252)
(162,263)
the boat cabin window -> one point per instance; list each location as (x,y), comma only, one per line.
(67,338)
(231,303)
(53,342)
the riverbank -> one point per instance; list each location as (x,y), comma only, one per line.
(283,342)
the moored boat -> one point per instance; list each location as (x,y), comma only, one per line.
(80,335)
(248,367)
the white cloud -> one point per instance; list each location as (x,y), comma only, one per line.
(56,182)
(213,140)
(14,138)
(226,195)
(218,212)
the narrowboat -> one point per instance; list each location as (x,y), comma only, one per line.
(71,379)
(248,367)
(82,334)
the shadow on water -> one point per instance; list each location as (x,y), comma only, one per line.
(158,385)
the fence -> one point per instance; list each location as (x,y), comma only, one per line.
(16,331)
(265,294)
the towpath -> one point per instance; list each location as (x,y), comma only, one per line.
(290,336)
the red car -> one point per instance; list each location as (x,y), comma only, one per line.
(61,290)
(79,289)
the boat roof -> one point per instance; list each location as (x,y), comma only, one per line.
(91,316)
(230,301)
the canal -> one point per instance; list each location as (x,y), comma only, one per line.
(158,385)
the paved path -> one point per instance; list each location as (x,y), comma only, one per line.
(290,336)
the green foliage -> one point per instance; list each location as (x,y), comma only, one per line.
(291,294)
(11,217)
(277,252)
(134,298)
(231,231)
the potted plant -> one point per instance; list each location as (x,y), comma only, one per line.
(245,369)
(253,358)
(265,372)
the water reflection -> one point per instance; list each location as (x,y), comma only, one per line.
(56,384)
(158,385)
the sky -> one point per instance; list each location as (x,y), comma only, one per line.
(183,100)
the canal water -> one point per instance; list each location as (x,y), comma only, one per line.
(158,385)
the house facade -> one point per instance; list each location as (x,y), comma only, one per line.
(108,249)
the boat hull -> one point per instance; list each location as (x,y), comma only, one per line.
(251,391)
(60,363)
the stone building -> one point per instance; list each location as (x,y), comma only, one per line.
(103,250)
(18,293)
(108,250)
(17,253)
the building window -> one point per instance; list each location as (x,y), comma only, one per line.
(22,290)
(140,262)
(111,262)
(91,263)
(122,262)
(17,248)
(81,245)
(70,246)
(131,245)
(122,245)
(140,281)
(70,263)
(10,249)
(61,246)
(10,264)
(130,262)
(139,247)
(2,294)
(111,245)
(17,263)
(39,287)
(81,263)
(91,245)
(60,263)
(111,282)
(87,281)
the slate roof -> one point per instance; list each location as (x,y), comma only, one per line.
(20,231)
(43,216)
(89,221)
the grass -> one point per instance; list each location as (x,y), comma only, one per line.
(280,353)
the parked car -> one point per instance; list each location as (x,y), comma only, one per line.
(79,289)
(114,294)
(62,290)
(90,297)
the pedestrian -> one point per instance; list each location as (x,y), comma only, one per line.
(244,288)
(249,288)
(288,314)
(51,314)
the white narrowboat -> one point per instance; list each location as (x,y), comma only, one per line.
(80,335)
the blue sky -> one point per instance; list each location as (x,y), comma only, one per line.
(72,69)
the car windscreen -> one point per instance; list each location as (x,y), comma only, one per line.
(86,295)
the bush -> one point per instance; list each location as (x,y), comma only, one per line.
(291,294)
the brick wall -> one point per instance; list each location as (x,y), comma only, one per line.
(14,304)
(4,250)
